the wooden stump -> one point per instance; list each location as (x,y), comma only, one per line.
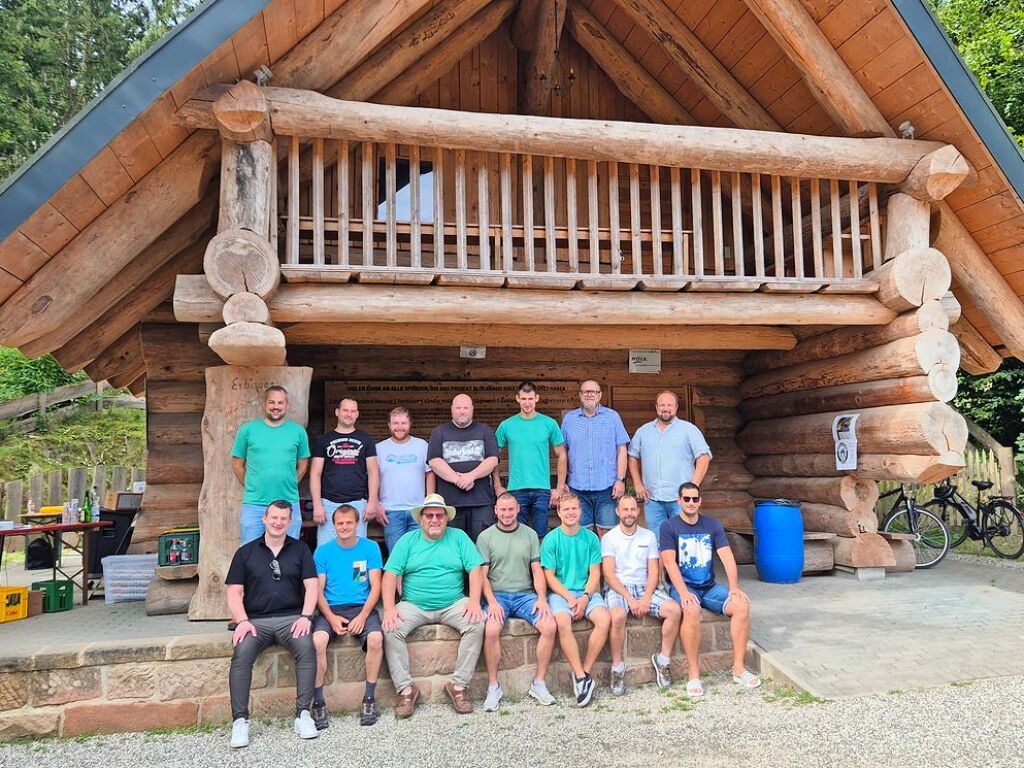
(249,344)
(239,261)
(742,547)
(234,395)
(828,518)
(818,556)
(170,597)
(867,550)
(246,308)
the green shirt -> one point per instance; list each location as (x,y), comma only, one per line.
(432,571)
(570,557)
(508,556)
(270,455)
(529,443)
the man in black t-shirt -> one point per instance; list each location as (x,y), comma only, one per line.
(463,453)
(344,471)
(271,591)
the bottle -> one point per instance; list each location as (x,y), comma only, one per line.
(65,513)
(30,510)
(95,499)
(76,511)
(87,509)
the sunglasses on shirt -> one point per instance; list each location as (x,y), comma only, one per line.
(275,568)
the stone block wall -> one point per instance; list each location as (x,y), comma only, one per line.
(135,685)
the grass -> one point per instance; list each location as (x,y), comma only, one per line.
(680,704)
(961,683)
(790,697)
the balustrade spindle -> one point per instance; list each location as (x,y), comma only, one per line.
(369,198)
(292,243)
(797,216)
(391,204)
(461,252)
(655,179)
(592,217)
(816,242)
(698,239)
(550,254)
(438,212)
(318,202)
(528,212)
(678,252)
(737,225)
(507,254)
(757,214)
(716,223)
(858,264)
(778,236)
(344,202)
(484,213)
(876,227)
(614,223)
(415,245)
(570,215)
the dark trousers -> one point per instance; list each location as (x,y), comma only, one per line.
(269,631)
(534,506)
(473,520)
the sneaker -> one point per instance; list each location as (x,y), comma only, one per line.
(305,728)
(585,692)
(540,692)
(320,716)
(459,699)
(492,702)
(663,672)
(240,733)
(369,716)
(618,682)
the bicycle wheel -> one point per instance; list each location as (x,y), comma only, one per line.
(951,516)
(1004,528)
(931,539)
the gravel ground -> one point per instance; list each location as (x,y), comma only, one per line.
(992,562)
(969,724)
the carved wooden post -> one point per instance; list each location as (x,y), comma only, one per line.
(234,395)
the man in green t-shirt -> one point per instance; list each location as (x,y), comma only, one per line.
(529,437)
(515,588)
(432,563)
(269,458)
(571,559)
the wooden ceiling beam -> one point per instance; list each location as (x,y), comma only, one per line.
(976,355)
(544,20)
(686,50)
(121,357)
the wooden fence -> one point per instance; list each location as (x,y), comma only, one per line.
(60,485)
(24,414)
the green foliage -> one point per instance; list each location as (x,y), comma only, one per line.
(996,402)
(20,375)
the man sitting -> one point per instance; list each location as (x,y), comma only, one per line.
(432,562)
(688,543)
(631,564)
(514,585)
(571,558)
(349,571)
(271,593)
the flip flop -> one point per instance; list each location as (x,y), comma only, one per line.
(747,680)
(694,688)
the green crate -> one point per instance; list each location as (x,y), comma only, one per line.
(58,594)
(178,546)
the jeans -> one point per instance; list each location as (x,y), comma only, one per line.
(325,531)
(269,631)
(252,521)
(399,522)
(473,520)
(657,512)
(534,505)
(597,508)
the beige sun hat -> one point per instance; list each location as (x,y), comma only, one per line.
(435,500)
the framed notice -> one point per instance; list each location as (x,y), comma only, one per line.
(645,361)
(844,434)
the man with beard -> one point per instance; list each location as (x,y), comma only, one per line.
(269,458)
(405,476)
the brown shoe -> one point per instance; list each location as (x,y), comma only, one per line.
(460,700)
(407,703)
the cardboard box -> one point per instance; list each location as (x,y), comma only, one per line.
(121,501)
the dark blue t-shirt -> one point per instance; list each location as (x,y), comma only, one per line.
(695,547)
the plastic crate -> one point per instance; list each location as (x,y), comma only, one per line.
(126,577)
(179,546)
(13,603)
(58,595)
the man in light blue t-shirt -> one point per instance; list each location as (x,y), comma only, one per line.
(405,476)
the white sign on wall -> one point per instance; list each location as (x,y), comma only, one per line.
(844,433)
(645,361)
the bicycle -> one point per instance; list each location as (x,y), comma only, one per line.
(931,540)
(1001,525)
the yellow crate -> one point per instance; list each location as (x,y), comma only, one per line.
(13,603)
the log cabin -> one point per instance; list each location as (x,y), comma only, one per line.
(807,206)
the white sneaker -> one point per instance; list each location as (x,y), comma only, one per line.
(240,733)
(540,692)
(493,699)
(305,728)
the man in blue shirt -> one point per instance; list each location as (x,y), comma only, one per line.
(663,454)
(596,442)
(349,569)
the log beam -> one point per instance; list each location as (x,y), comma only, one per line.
(921,470)
(937,174)
(124,355)
(865,550)
(240,261)
(976,354)
(870,394)
(912,278)
(829,518)
(196,302)
(242,113)
(540,78)
(848,492)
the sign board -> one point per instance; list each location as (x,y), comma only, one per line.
(844,433)
(645,361)
(473,353)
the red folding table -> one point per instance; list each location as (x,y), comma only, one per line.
(55,533)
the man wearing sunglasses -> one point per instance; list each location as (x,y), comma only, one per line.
(432,563)
(688,544)
(271,593)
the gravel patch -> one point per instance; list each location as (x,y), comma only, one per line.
(991,562)
(962,725)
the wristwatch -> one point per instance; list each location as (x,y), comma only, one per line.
(307,616)
(621,480)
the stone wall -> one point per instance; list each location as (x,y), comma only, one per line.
(135,685)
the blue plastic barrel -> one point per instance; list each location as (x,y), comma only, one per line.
(778,540)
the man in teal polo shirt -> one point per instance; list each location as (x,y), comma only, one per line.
(432,563)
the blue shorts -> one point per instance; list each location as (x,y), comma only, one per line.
(713,598)
(518,605)
(597,508)
(560,605)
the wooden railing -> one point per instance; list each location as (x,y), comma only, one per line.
(24,414)
(60,485)
(408,213)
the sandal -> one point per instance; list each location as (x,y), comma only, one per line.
(747,680)
(694,688)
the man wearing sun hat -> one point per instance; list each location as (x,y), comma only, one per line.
(432,563)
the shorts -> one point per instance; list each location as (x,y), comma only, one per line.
(560,605)
(321,624)
(518,605)
(615,600)
(713,598)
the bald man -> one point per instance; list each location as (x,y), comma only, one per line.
(463,453)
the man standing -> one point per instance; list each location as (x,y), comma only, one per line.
(432,563)
(271,593)
(596,441)
(632,570)
(269,458)
(571,559)
(529,437)
(405,476)
(670,451)
(344,471)
(688,543)
(463,453)
(348,568)
(515,588)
